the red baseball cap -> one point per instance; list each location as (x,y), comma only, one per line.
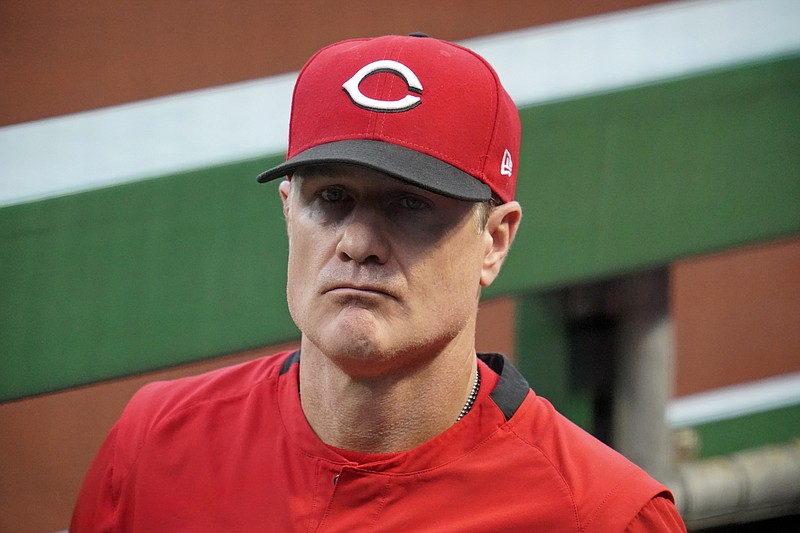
(426,111)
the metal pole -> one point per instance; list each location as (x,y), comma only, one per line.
(645,373)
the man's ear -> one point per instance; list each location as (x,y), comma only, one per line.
(501,228)
(284,189)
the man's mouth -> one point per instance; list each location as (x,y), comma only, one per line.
(359,290)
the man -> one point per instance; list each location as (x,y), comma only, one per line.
(399,208)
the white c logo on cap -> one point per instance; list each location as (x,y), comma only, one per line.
(409,101)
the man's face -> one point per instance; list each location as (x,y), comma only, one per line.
(381,273)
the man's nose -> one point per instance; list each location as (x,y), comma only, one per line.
(363,237)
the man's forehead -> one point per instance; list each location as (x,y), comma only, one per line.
(335,170)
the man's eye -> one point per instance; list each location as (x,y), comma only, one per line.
(332,194)
(413,202)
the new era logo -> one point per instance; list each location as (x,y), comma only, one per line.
(507,165)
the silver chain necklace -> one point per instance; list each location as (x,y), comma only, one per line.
(472,396)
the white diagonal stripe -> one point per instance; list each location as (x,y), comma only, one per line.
(735,401)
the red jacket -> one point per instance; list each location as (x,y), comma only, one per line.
(232,451)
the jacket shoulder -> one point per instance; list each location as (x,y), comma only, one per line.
(159,400)
(606,488)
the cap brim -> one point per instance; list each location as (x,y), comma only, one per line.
(403,163)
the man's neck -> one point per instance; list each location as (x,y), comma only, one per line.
(385,414)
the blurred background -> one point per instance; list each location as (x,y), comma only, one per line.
(652,295)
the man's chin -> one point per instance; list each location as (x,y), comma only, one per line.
(358,348)
(357,353)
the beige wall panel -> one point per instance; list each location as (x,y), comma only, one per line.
(736,316)
(496,323)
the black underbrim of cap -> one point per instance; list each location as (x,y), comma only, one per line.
(403,163)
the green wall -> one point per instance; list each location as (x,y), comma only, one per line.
(641,177)
(157,273)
